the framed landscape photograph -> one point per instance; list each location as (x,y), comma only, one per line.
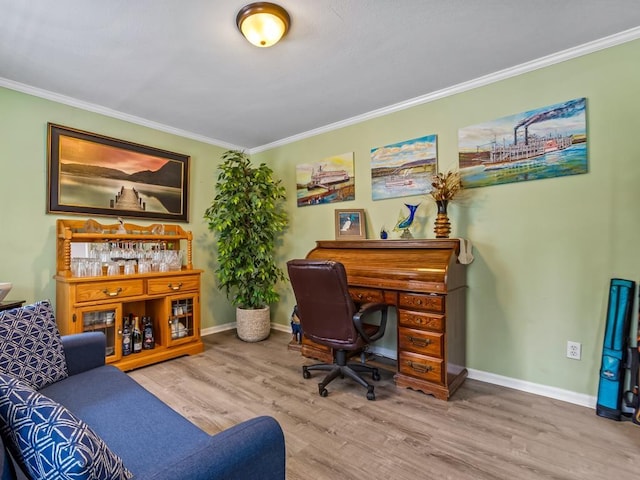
(350,225)
(92,174)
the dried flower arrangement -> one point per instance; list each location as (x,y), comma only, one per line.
(445,185)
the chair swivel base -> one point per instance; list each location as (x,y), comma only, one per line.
(351,370)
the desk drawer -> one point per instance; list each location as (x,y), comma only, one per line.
(412,319)
(427,343)
(420,366)
(434,303)
(177,284)
(366,295)
(88,292)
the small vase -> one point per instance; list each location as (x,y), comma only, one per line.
(442,224)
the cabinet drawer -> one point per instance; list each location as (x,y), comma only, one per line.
(87,292)
(418,341)
(434,303)
(411,319)
(366,295)
(420,366)
(176,284)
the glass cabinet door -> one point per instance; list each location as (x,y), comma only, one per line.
(182,319)
(105,319)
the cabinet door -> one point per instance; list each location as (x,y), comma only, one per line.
(184,319)
(106,319)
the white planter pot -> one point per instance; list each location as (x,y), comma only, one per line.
(253,325)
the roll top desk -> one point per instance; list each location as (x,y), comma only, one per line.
(425,282)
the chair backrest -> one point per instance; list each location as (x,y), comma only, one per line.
(325,307)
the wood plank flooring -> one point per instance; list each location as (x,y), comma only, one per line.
(484,432)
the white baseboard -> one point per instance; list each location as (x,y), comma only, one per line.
(232,325)
(487,377)
(524,386)
(218,329)
(536,388)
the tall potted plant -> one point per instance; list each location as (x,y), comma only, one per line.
(247,216)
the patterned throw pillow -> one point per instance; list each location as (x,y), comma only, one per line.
(50,442)
(30,345)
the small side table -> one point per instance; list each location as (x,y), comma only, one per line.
(9,304)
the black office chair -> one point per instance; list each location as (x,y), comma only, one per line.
(330,317)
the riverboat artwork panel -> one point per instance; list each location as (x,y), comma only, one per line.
(403,169)
(329,180)
(91,174)
(542,143)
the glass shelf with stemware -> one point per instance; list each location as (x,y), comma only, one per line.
(109,252)
(104,274)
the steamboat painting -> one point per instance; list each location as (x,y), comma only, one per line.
(404,168)
(542,143)
(328,181)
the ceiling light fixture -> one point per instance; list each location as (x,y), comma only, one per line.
(263,23)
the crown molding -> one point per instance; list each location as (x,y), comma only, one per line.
(562,56)
(558,57)
(108,112)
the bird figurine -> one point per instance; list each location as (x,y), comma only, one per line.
(405,222)
(121,228)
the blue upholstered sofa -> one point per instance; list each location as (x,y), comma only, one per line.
(152,440)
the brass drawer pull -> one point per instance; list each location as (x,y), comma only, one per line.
(112,294)
(419,367)
(419,342)
(175,287)
(418,320)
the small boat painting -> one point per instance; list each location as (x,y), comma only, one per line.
(404,168)
(328,181)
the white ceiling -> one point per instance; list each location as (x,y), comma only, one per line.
(182,66)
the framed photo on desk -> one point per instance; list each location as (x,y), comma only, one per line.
(350,224)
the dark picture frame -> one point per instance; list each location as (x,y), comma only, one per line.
(350,224)
(92,174)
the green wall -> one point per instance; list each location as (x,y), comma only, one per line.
(544,250)
(27,242)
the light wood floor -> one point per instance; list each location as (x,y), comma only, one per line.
(483,432)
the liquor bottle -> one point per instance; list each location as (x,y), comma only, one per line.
(126,338)
(148,342)
(136,336)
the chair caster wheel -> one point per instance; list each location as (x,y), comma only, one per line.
(305,373)
(371,395)
(375,375)
(323,391)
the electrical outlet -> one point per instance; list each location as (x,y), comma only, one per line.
(574,350)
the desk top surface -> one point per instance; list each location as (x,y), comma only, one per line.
(428,266)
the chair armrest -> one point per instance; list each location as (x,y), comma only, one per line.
(251,449)
(84,351)
(368,309)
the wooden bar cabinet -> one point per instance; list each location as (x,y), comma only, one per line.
(100,302)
